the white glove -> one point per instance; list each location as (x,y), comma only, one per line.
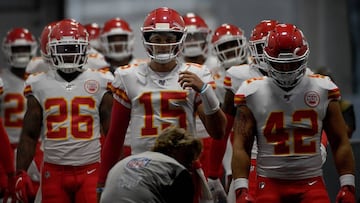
(323,153)
(217,190)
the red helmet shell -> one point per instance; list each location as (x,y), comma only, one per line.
(262,29)
(116,23)
(44,37)
(68,28)
(163,19)
(19,34)
(93,29)
(224,30)
(191,19)
(286,39)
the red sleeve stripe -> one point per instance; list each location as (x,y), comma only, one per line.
(1,90)
(212,84)
(109,87)
(227,81)
(104,69)
(27,90)
(121,94)
(334,94)
(239,99)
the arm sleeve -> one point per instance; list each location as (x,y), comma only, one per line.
(114,140)
(217,150)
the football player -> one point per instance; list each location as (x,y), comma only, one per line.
(71,104)
(287,112)
(19,47)
(160,93)
(230,46)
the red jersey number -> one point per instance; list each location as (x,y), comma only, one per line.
(276,133)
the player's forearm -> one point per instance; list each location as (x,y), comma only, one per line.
(240,163)
(25,152)
(244,132)
(215,124)
(105,111)
(344,159)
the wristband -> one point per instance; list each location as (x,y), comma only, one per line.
(241,183)
(203,88)
(99,190)
(347,179)
(210,101)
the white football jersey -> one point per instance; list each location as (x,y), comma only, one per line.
(70,115)
(13,105)
(289,124)
(37,65)
(236,75)
(139,60)
(96,60)
(156,101)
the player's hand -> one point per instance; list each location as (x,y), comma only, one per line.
(24,189)
(189,79)
(217,190)
(242,196)
(346,194)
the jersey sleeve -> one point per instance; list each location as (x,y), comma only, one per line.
(119,89)
(326,83)
(247,88)
(97,61)
(30,82)
(106,79)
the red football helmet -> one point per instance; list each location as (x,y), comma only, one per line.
(197,38)
(230,45)
(19,46)
(286,51)
(94,30)
(68,44)
(257,42)
(117,39)
(163,21)
(44,39)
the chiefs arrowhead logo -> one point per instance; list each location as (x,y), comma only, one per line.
(91,86)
